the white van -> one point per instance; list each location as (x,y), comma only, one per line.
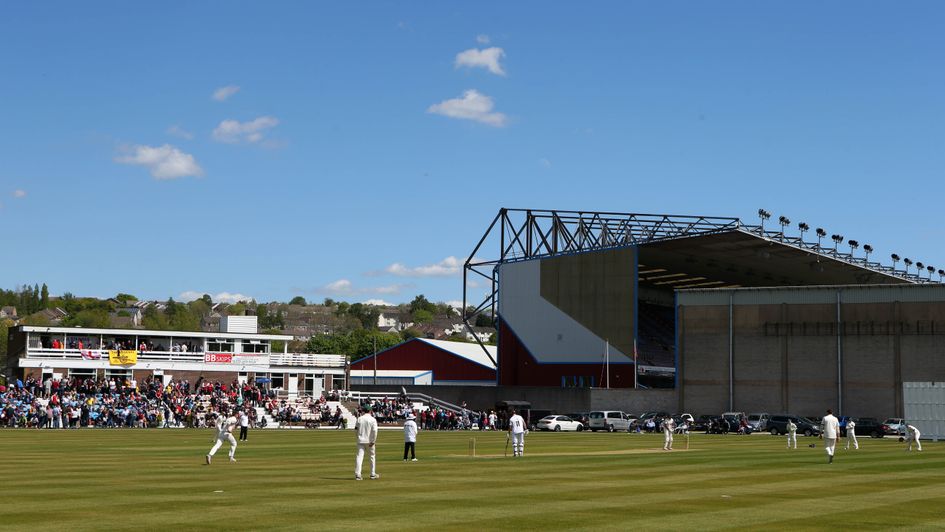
(609,420)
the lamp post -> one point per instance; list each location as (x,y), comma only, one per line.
(763,215)
(837,239)
(867,249)
(895,259)
(803,228)
(908,262)
(820,235)
(853,245)
(784,221)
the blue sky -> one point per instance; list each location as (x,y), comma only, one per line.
(353,149)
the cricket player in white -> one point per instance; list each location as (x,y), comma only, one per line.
(517,430)
(668,425)
(225,428)
(851,435)
(791,434)
(831,430)
(410,437)
(366,429)
(913,435)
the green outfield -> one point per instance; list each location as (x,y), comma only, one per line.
(293,480)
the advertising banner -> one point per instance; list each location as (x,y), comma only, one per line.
(236,358)
(122,358)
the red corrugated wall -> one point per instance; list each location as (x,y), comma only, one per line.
(419,355)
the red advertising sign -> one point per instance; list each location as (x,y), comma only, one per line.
(218,358)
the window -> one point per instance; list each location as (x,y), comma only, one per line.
(85,373)
(255,346)
(220,346)
(118,373)
(278,380)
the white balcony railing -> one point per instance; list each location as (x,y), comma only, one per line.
(274,359)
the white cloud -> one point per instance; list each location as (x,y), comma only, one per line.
(344,287)
(472,106)
(234,131)
(19,193)
(482,38)
(456,304)
(544,162)
(223,93)
(487,58)
(222,297)
(177,131)
(164,162)
(377,302)
(446,267)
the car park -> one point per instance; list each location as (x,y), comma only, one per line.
(558,423)
(737,422)
(609,420)
(580,416)
(777,425)
(701,423)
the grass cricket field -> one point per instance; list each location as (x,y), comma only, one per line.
(304,480)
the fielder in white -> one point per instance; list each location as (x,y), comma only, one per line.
(366,430)
(791,434)
(517,430)
(668,425)
(851,435)
(831,430)
(913,435)
(225,428)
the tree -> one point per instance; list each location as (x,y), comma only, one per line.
(410,333)
(484,320)
(236,309)
(366,314)
(207,299)
(422,303)
(298,300)
(44,296)
(125,298)
(422,316)
(341,308)
(329,302)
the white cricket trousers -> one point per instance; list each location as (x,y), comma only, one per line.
(916,440)
(359,458)
(518,443)
(792,438)
(668,440)
(220,439)
(851,438)
(830,444)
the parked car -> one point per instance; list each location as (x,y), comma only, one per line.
(557,423)
(701,423)
(737,422)
(644,418)
(777,425)
(683,422)
(865,426)
(895,425)
(579,416)
(609,420)
(758,421)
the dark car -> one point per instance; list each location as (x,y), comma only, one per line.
(701,423)
(865,426)
(777,425)
(580,416)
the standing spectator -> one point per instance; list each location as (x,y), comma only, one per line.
(913,435)
(244,425)
(831,430)
(366,430)
(410,437)
(851,434)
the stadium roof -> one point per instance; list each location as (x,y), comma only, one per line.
(743,258)
(468,351)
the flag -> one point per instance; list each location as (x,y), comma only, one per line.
(88,354)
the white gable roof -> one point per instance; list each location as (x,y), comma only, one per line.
(469,351)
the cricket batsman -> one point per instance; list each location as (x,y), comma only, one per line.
(517,430)
(225,428)
(668,426)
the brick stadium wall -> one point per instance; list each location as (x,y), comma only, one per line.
(785,356)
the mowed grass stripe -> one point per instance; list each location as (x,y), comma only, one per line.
(301,480)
